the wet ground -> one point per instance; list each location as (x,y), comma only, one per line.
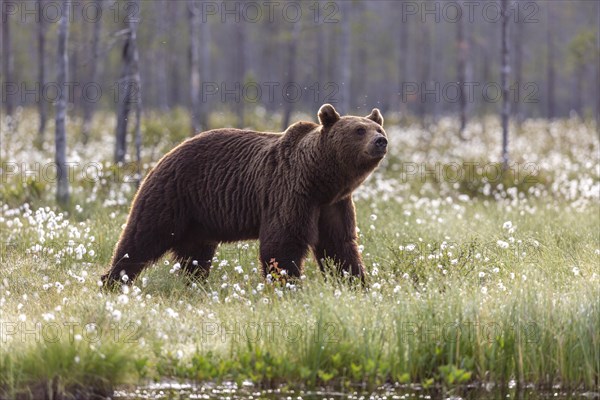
(231,391)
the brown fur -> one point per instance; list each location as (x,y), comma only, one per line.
(290,190)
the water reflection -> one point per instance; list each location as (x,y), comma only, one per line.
(232,391)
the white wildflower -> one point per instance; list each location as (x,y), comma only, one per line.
(502,244)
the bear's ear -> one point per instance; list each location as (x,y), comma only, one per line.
(376,116)
(327,115)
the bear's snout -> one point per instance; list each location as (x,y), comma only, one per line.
(381,142)
(378,146)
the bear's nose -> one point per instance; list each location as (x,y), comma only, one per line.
(381,142)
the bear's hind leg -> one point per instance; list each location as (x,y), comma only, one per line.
(134,251)
(195,257)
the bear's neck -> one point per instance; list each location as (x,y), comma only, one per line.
(327,180)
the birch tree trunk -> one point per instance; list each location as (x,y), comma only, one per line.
(359,88)
(321,43)
(205,73)
(462,75)
(124,90)
(402,62)
(292,61)
(194,19)
(135,72)
(129,92)
(7,60)
(42,104)
(241,67)
(89,106)
(345,59)
(160,55)
(62,188)
(505,72)
(271,65)
(598,73)
(550,73)
(518,71)
(424,68)
(579,79)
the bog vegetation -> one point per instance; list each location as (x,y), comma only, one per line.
(475,276)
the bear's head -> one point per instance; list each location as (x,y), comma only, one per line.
(359,143)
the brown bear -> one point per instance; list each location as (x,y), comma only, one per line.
(290,190)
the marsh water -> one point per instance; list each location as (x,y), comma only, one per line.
(231,391)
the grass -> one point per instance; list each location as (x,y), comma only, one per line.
(478,280)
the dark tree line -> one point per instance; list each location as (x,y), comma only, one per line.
(233,57)
(356,54)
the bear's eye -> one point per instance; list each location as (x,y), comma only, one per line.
(379,130)
(361,131)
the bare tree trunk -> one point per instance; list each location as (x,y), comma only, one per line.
(241,67)
(359,88)
(345,57)
(160,55)
(194,18)
(292,52)
(7,61)
(62,188)
(402,61)
(332,63)
(505,83)
(135,72)
(321,46)
(271,65)
(88,106)
(550,63)
(124,90)
(424,61)
(486,73)
(598,75)
(463,49)
(205,73)
(435,60)
(580,74)
(42,105)
(518,71)
(129,92)
(173,71)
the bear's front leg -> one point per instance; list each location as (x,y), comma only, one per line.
(338,240)
(279,256)
(284,241)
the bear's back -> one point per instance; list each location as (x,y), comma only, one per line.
(234,140)
(218,177)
